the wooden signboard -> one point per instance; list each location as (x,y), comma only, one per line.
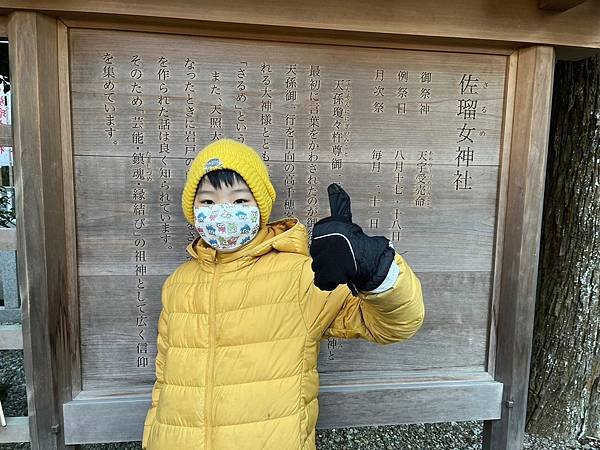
(414,136)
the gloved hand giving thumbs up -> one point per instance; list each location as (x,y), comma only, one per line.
(343,254)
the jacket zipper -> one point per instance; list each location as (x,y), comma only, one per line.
(211,356)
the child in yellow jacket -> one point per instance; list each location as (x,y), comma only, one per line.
(241,323)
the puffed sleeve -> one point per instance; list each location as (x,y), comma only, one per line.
(390,316)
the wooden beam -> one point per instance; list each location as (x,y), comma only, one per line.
(122,416)
(454,401)
(507,128)
(69,207)
(40,228)
(559,5)
(288,34)
(8,239)
(520,21)
(16,430)
(11,337)
(533,92)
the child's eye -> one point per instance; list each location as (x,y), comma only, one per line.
(206,202)
(241,200)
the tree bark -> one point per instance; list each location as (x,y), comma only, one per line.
(564,389)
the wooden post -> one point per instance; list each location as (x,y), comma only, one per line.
(40,223)
(529,141)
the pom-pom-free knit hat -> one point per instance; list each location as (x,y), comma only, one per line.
(233,155)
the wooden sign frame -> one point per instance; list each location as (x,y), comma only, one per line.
(46,236)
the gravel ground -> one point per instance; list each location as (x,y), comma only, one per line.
(443,436)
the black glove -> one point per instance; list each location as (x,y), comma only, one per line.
(343,254)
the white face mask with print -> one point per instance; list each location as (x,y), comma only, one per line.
(227,226)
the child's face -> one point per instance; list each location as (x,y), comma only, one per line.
(238,193)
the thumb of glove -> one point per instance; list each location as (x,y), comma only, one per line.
(339,203)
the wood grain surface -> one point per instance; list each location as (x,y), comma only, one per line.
(450,242)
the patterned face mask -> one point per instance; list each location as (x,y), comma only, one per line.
(227,226)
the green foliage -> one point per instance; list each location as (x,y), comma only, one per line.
(7,210)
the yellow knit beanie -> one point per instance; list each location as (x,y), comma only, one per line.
(233,155)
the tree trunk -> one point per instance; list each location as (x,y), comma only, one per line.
(564,389)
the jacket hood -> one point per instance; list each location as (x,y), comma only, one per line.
(285,235)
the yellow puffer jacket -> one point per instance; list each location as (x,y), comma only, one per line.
(239,336)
